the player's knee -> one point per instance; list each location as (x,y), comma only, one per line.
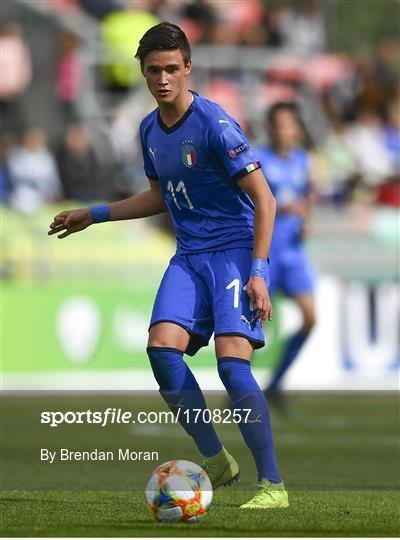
(168,335)
(233,346)
(160,342)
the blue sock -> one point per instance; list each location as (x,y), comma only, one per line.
(245,393)
(292,349)
(181,392)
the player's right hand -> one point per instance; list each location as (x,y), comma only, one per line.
(70,221)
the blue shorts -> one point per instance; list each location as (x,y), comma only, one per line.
(291,270)
(204,293)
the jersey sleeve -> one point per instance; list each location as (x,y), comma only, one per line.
(149,169)
(229,143)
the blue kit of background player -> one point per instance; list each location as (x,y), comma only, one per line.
(289,264)
(286,164)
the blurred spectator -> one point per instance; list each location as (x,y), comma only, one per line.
(246,20)
(33,173)
(78,166)
(379,75)
(334,170)
(392,133)
(386,64)
(241,23)
(100,8)
(199,19)
(15,73)
(272,22)
(303,30)
(61,5)
(69,74)
(325,71)
(366,139)
(389,193)
(128,170)
(15,64)
(120,34)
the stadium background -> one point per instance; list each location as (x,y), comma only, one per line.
(75,313)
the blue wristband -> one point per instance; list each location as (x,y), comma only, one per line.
(259,268)
(100,213)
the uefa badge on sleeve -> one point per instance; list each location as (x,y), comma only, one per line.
(188,153)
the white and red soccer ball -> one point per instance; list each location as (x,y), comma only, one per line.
(179,490)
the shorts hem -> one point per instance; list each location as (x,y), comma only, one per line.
(170,321)
(215,249)
(196,341)
(258,343)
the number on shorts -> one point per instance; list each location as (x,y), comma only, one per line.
(235,283)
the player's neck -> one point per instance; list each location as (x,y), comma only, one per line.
(171,113)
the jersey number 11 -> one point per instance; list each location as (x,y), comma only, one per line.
(180,187)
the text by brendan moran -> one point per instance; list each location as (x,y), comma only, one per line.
(120,454)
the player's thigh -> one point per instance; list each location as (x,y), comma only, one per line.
(181,312)
(306,303)
(167,334)
(234,346)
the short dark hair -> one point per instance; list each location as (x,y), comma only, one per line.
(283,106)
(164,37)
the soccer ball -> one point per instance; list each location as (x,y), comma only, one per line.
(179,490)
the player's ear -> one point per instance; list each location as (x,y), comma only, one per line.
(188,67)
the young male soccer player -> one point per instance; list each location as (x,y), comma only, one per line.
(203,172)
(287,167)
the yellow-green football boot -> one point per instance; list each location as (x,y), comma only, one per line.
(268,496)
(222,469)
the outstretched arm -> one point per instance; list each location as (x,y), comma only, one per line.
(145,204)
(255,185)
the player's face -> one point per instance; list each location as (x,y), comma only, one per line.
(166,75)
(286,131)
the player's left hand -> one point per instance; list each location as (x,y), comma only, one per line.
(259,297)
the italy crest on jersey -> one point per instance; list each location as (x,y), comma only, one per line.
(188,154)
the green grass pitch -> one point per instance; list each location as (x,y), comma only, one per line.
(338,454)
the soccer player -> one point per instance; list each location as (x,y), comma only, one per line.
(286,164)
(202,170)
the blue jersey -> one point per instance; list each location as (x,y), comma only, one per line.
(197,162)
(288,178)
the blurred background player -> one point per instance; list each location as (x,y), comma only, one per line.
(287,167)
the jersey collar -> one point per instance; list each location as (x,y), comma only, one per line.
(175,126)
